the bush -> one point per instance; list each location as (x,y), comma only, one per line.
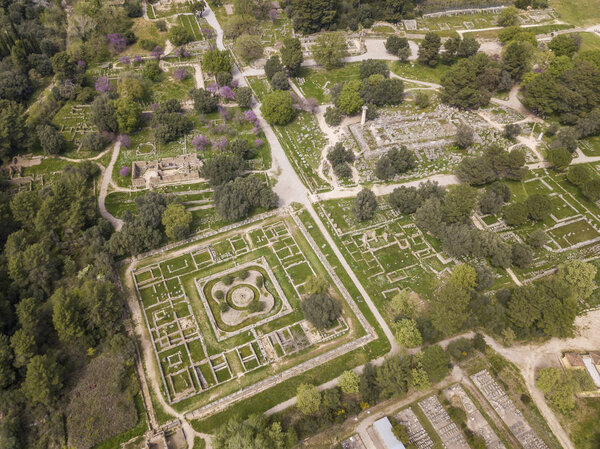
(243,97)
(277,108)
(223,306)
(243,274)
(333,116)
(219,294)
(460,349)
(228,279)
(260,281)
(280,81)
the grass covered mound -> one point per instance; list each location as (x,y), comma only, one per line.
(101,404)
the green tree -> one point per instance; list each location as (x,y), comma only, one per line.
(450,305)
(7,373)
(280,81)
(272,66)
(349,382)
(128,114)
(579,174)
(50,139)
(243,97)
(177,221)
(560,158)
(322,310)
(204,101)
(330,49)
(316,285)
(42,382)
(407,333)
(365,205)
(131,88)
(248,47)
(579,275)
(179,35)
(429,49)
(508,17)
(12,127)
(103,114)
(277,108)
(308,399)
(404,304)
(564,45)
(291,55)
(398,46)
(68,316)
(215,61)
(516,214)
(537,239)
(350,101)
(310,16)
(516,58)
(459,203)
(539,206)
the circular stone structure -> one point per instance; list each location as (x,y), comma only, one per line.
(242,296)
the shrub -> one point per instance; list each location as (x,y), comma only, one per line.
(260,281)
(219,294)
(333,116)
(227,280)
(223,306)
(243,274)
(256,306)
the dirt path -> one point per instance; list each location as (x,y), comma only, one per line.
(106,180)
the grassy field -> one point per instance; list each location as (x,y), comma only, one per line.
(420,72)
(313,82)
(591,41)
(577,12)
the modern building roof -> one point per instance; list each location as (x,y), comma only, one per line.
(591,369)
(383,427)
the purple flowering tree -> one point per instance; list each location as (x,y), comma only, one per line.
(256,129)
(221,144)
(125,140)
(180,74)
(273,15)
(81,64)
(234,84)
(137,59)
(226,114)
(116,42)
(227,93)
(207,32)
(201,142)
(258,143)
(157,52)
(251,116)
(125,60)
(124,171)
(154,106)
(103,84)
(213,88)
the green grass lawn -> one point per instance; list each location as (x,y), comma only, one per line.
(591,41)
(313,82)
(590,146)
(417,71)
(577,12)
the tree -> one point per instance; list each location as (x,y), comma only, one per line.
(564,45)
(578,174)
(50,139)
(12,127)
(103,114)
(310,16)
(321,310)
(128,114)
(539,206)
(464,136)
(537,239)
(243,97)
(333,116)
(277,108)
(42,381)
(350,101)
(435,362)
(131,88)
(93,141)
(365,205)
(272,66)
(558,387)
(234,200)
(152,71)
(308,399)
(468,47)
(291,55)
(398,46)
(429,49)
(204,101)
(316,285)
(338,154)
(512,130)
(177,221)
(330,49)
(7,373)
(373,67)
(460,202)
(516,58)
(222,168)
(579,275)
(393,376)
(407,333)
(508,17)
(591,189)
(560,158)
(516,214)
(179,35)
(280,81)
(450,305)
(405,199)
(249,48)
(522,255)
(215,61)
(349,382)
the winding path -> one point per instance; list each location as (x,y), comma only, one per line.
(106,180)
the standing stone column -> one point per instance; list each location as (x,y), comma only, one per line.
(364,115)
